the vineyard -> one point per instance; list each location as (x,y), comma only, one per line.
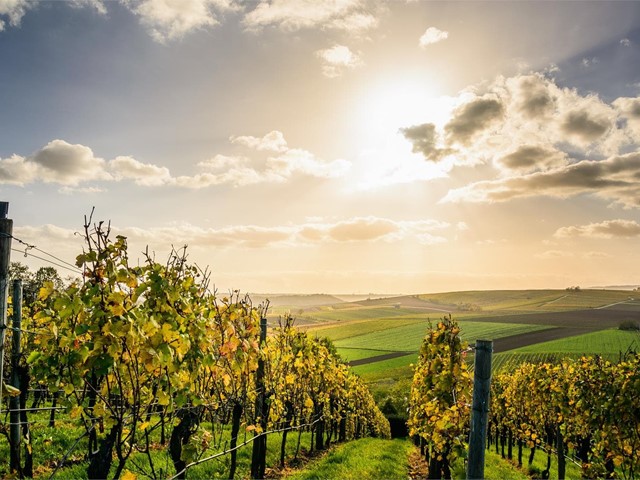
(141,371)
(154,375)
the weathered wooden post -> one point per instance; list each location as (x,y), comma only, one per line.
(259,453)
(480,409)
(14,402)
(6,233)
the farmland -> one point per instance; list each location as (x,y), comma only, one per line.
(525,325)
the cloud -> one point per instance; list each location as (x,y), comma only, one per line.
(553,254)
(432,35)
(533,97)
(607,229)
(97,5)
(14,10)
(585,126)
(336,59)
(170,19)
(473,117)
(273,141)
(301,161)
(625,42)
(527,158)
(587,62)
(353,230)
(291,15)
(70,165)
(629,111)
(425,140)
(146,174)
(616,179)
(525,124)
(57,162)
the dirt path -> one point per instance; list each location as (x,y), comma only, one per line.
(377,358)
(524,339)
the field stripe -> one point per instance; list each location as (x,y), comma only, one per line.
(378,358)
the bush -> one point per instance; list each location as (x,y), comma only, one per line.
(629,325)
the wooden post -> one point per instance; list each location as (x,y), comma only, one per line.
(480,408)
(259,453)
(6,232)
(14,402)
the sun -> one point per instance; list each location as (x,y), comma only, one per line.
(388,106)
(386,156)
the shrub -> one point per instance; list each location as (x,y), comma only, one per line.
(629,325)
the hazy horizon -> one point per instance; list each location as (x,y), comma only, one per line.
(337,146)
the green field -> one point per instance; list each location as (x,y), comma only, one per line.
(350,354)
(531,300)
(408,338)
(604,342)
(609,344)
(372,328)
(355,328)
(395,369)
(364,313)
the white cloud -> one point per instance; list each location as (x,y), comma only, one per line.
(291,15)
(145,174)
(86,190)
(301,161)
(70,165)
(97,5)
(432,35)
(607,229)
(357,229)
(14,10)
(554,254)
(537,135)
(172,19)
(336,59)
(57,162)
(625,42)
(273,142)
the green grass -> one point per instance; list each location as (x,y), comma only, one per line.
(531,300)
(354,328)
(396,368)
(364,313)
(408,338)
(51,444)
(350,354)
(495,468)
(366,458)
(604,342)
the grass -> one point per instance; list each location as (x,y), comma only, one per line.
(609,344)
(364,313)
(51,444)
(350,354)
(366,458)
(395,369)
(531,300)
(408,338)
(604,342)
(355,328)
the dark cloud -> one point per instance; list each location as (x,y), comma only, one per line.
(532,157)
(616,179)
(584,126)
(423,138)
(472,118)
(535,100)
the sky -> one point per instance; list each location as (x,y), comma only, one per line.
(342,146)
